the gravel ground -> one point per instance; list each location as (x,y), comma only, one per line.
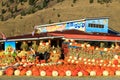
(58,78)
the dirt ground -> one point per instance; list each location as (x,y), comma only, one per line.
(58,78)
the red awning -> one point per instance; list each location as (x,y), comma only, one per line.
(88,37)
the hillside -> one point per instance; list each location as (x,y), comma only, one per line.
(60,11)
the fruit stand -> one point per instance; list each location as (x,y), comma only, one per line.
(80,58)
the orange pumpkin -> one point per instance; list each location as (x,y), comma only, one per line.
(23,71)
(35,71)
(9,71)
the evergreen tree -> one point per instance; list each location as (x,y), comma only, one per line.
(91,1)
(31,2)
(11,1)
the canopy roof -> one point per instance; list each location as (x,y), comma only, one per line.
(80,35)
(68,34)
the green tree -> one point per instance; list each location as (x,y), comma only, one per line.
(58,15)
(23,13)
(31,2)
(74,1)
(3,11)
(59,1)
(91,1)
(16,9)
(2,18)
(11,1)
(104,2)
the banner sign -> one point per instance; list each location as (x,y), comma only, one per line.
(79,25)
(10,47)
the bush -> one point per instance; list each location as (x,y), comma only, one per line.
(2,18)
(23,13)
(74,1)
(59,1)
(58,15)
(3,11)
(31,2)
(91,1)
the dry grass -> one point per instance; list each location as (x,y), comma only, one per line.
(81,9)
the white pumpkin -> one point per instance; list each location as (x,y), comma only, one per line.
(17,72)
(29,73)
(93,60)
(82,45)
(116,56)
(88,45)
(69,60)
(80,58)
(72,61)
(75,58)
(80,73)
(84,59)
(105,49)
(105,73)
(47,43)
(70,57)
(42,73)
(1,72)
(92,73)
(101,61)
(54,73)
(85,62)
(117,73)
(68,73)
(70,43)
(76,62)
(3,67)
(89,60)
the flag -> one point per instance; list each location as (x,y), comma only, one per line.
(2,35)
(33,33)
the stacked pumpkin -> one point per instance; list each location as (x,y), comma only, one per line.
(73,66)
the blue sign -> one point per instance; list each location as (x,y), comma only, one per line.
(95,23)
(10,46)
(75,25)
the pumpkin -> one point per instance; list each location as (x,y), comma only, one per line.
(117,73)
(92,73)
(1,72)
(54,73)
(105,73)
(17,72)
(61,73)
(49,73)
(29,73)
(9,71)
(42,73)
(23,72)
(68,73)
(115,62)
(80,74)
(35,71)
